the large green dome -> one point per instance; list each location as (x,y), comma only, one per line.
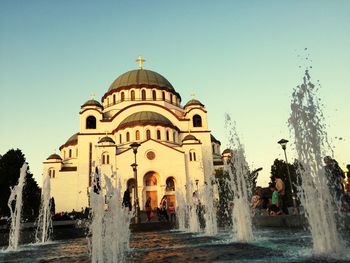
(143,118)
(139,78)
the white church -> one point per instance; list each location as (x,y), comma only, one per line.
(176,148)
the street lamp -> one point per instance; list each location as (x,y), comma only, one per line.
(283,143)
(134,147)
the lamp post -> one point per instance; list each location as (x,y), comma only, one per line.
(197,183)
(134,147)
(283,143)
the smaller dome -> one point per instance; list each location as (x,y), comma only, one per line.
(193,102)
(72,139)
(144,118)
(227,151)
(54,156)
(106,139)
(189,137)
(92,103)
(213,139)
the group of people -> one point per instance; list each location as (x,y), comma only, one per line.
(165,211)
(273,200)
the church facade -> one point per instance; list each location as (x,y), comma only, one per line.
(176,146)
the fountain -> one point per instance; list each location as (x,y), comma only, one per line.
(16,196)
(211,228)
(180,210)
(44,222)
(110,222)
(307,122)
(237,168)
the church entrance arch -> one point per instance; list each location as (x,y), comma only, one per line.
(150,186)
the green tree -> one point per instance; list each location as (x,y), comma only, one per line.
(279,168)
(224,211)
(10,164)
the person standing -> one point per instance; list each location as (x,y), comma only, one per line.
(280,187)
(148,209)
(127,199)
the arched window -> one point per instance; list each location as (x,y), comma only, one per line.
(105,158)
(143,94)
(150,179)
(154,95)
(132,95)
(213,146)
(137,135)
(148,134)
(174,136)
(158,135)
(163,95)
(167,135)
(122,96)
(113,98)
(70,153)
(170,184)
(91,122)
(52,173)
(193,156)
(120,138)
(197,121)
(127,136)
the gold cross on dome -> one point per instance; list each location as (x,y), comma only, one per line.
(140,60)
(93,95)
(193,95)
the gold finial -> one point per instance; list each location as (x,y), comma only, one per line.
(193,95)
(93,95)
(140,60)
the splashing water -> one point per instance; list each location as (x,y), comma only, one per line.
(16,196)
(180,210)
(307,122)
(110,223)
(193,204)
(211,227)
(238,170)
(44,221)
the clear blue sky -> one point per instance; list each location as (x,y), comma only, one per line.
(239,57)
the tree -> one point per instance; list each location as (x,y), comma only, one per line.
(10,165)
(279,168)
(225,197)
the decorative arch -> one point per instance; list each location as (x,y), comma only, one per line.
(143,94)
(90,122)
(150,179)
(154,95)
(122,96)
(132,95)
